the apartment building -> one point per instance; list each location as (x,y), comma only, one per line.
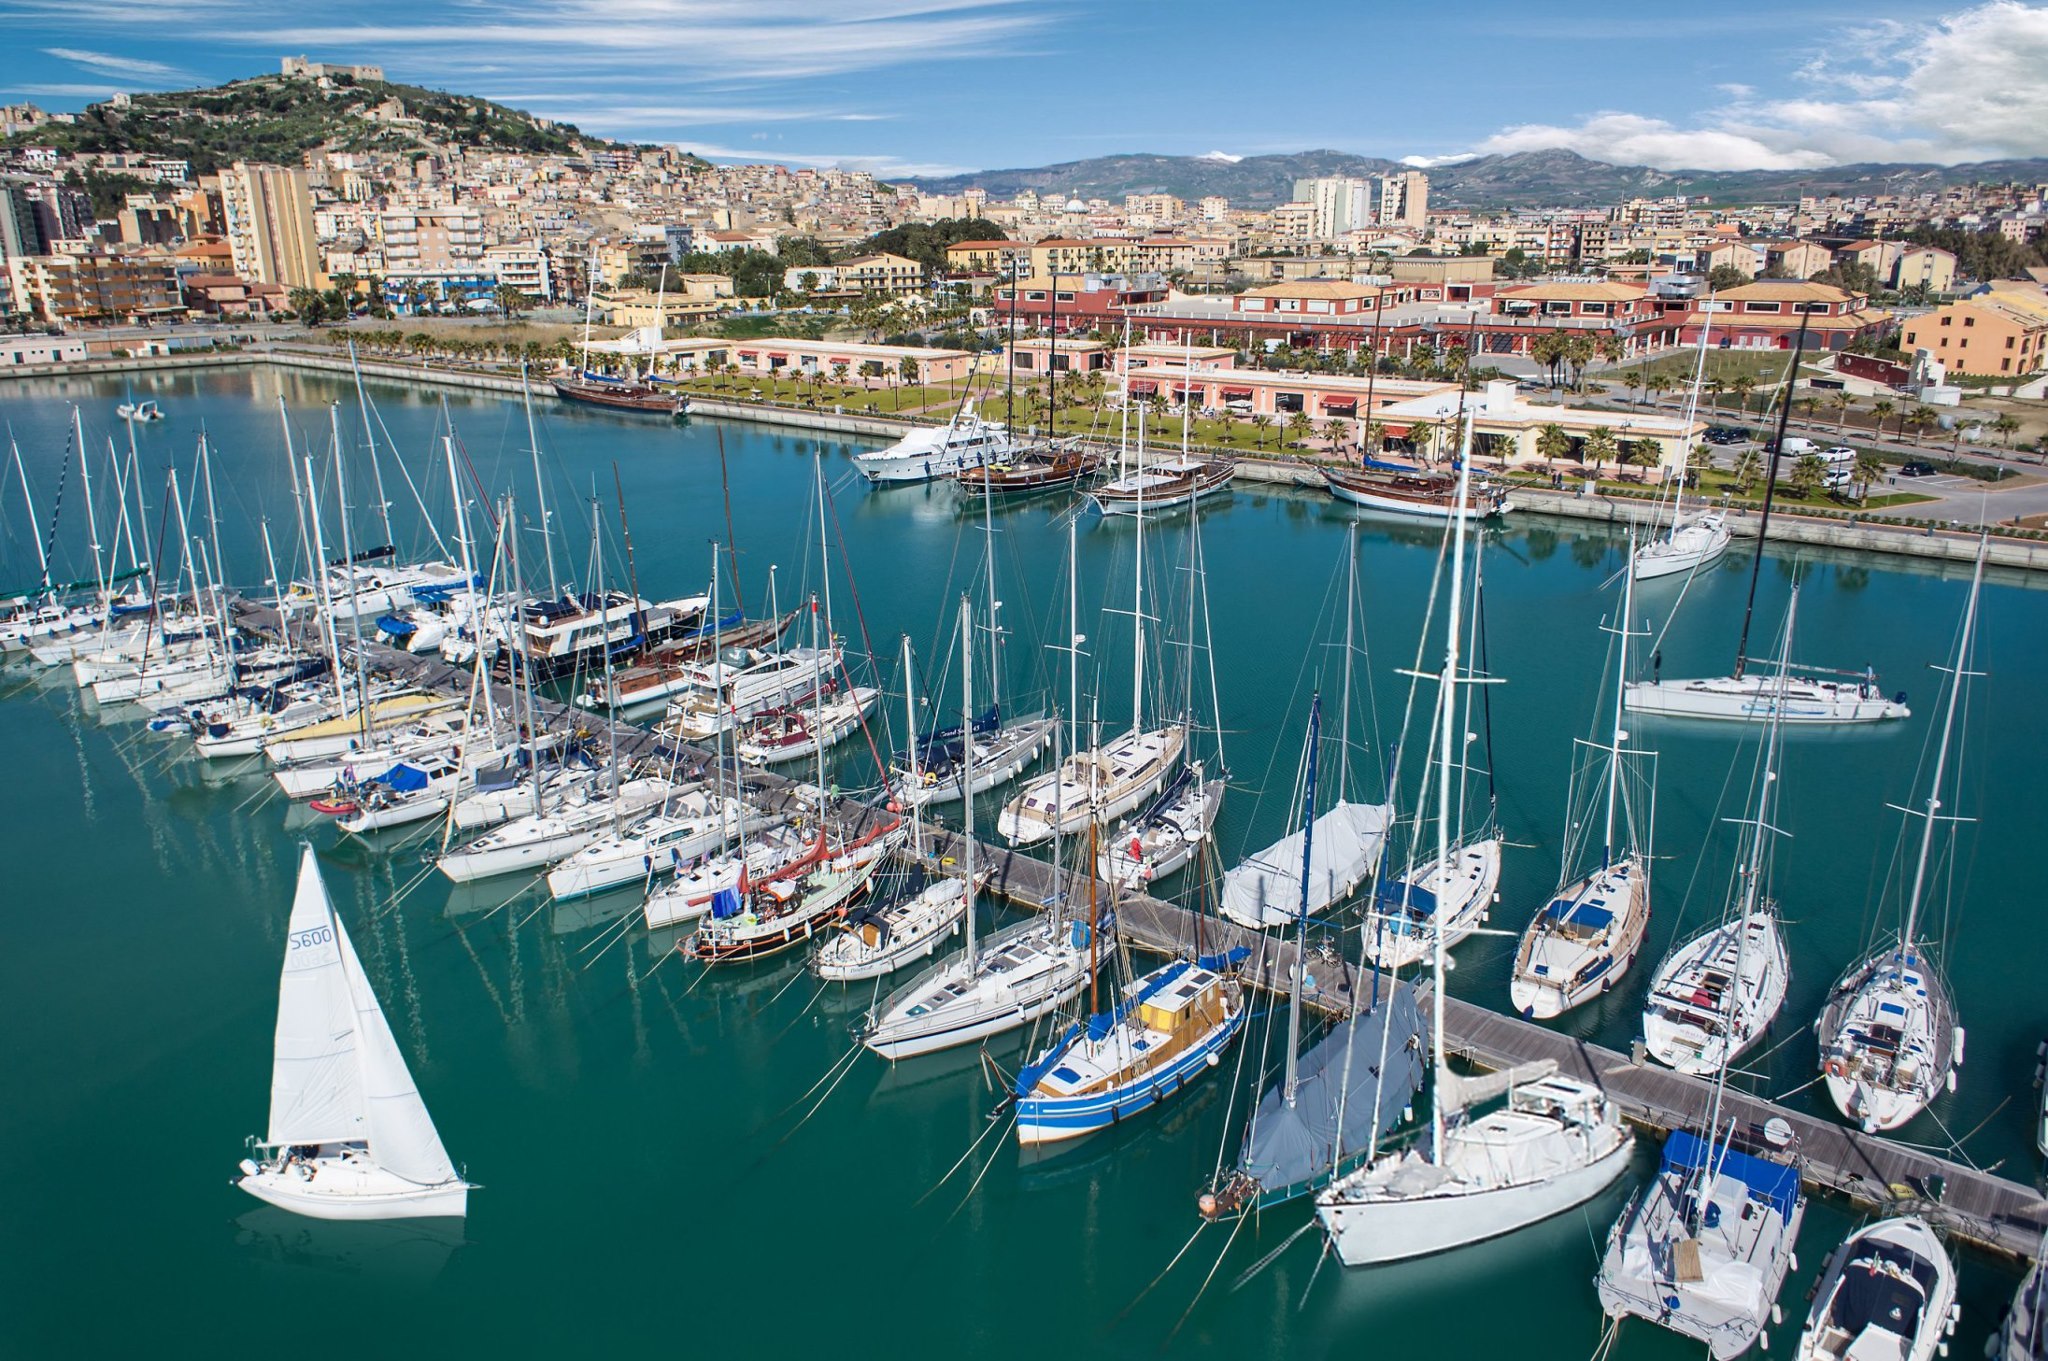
(268,213)
(432,243)
(71,289)
(1999,332)
(894,275)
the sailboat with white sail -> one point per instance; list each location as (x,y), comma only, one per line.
(1715,995)
(1585,938)
(1688,543)
(1890,1038)
(349,1136)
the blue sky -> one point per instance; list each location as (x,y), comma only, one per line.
(932,86)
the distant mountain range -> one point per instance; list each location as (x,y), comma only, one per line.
(1527,179)
(280,118)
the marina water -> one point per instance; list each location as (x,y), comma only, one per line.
(650,1178)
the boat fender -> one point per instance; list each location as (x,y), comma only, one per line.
(1777,1316)
(1835,1067)
(249,1168)
(1959,1050)
(1951,1081)
(1214,1059)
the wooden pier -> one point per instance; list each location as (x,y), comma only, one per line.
(1977,1207)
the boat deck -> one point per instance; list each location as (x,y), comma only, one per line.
(1977,1207)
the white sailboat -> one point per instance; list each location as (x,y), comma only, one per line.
(991,987)
(1705,1249)
(1811,696)
(1888,1294)
(1456,893)
(1334,856)
(1105,781)
(1688,544)
(1889,1034)
(1589,933)
(349,1136)
(1715,995)
(1554,1144)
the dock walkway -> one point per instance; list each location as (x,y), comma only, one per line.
(1975,1206)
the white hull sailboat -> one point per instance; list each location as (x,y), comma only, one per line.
(693,823)
(1553,1144)
(1888,1292)
(349,1136)
(1747,698)
(998,757)
(1589,934)
(1889,1034)
(875,941)
(1453,896)
(538,841)
(1105,782)
(924,455)
(1691,545)
(1164,838)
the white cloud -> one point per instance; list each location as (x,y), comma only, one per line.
(1430,162)
(108,64)
(1972,85)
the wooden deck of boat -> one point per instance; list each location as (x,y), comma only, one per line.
(1975,1206)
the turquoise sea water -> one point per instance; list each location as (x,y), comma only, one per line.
(650,1180)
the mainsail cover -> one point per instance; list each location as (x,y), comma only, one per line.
(316,1088)
(401,1134)
(1340,1084)
(1266,889)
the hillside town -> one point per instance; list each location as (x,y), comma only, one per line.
(638,237)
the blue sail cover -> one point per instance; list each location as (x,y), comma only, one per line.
(725,903)
(1289,1150)
(1772,1183)
(403,778)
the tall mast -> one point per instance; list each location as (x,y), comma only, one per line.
(220,565)
(92,520)
(326,596)
(124,530)
(589,304)
(1073,633)
(604,643)
(1138,595)
(1618,735)
(966,769)
(370,436)
(355,590)
(270,558)
(995,644)
(1350,615)
(540,486)
(35,528)
(911,780)
(1957,674)
(1763,524)
(1447,711)
(461,528)
(1692,407)
(522,663)
(1308,839)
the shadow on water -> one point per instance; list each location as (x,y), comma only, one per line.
(405,1253)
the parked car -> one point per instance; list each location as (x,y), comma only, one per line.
(1917,468)
(1726,434)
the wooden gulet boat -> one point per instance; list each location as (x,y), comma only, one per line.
(1411,492)
(621,396)
(1053,469)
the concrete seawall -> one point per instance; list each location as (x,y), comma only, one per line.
(1918,541)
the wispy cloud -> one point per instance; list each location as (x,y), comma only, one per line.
(110,64)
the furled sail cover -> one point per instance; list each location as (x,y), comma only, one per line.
(1339,1087)
(1266,889)
(1456,1093)
(316,1087)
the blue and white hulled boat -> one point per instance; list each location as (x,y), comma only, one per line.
(1175,1023)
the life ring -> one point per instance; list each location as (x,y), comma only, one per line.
(1836,1066)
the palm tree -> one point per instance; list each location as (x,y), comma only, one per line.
(1808,473)
(1742,385)
(1333,431)
(1262,423)
(1611,349)
(2006,426)
(1374,437)
(1865,472)
(1715,387)
(1599,448)
(1579,351)
(1749,466)
(1660,383)
(1698,463)
(1553,443)
(1921,418)
(1881,411)
(1839,400)
(1300,425)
